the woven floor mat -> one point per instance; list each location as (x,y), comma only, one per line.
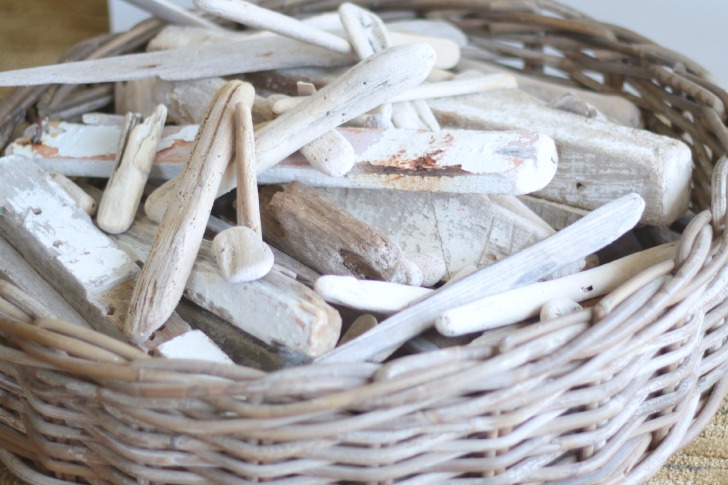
(36,32)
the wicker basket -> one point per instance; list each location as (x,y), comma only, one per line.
(608,405)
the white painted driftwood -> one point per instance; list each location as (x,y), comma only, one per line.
(598,161)
(276,309)
(52,233)
(584,237)
(193,345)
(525,302)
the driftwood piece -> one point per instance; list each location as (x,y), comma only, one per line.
(275,309)
(84,201)
(527,301)
(368,295)
(239,251)
(172,13)
(584,237)
(658,168)
(173,253)
(616,108)
(506,162)
(61,241)
(15,269)
(249,14)
(240,346)
(223,59)
(463,230)
(123,192)
(325,237)
(193,345)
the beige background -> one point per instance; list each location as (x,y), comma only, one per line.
(35,32)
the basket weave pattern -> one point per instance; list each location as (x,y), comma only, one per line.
(601,403)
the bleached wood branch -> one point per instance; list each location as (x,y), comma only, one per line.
(525,302)
(173,13)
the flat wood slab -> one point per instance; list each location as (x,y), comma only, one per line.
(465,161)
(463,229)
(598,161)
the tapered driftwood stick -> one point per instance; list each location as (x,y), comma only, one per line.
(359,326)
(325,237)
(262,54)
(368,295)
(262,18)
(331,153)
(84,201)
(556,215)
(172,13)
(162,280)
(240,252)
(526,302)
(124,189)
(584,237)
(659,168)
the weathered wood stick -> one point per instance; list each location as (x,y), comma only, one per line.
(525,302)
(221,59)
(15,269)
(462,229)
(510,162)
(584,237)
(75,257)
(163,277)
(325,237)
(174,14)
(123,192)
(257,17)
(659,168)
(368,295)
(240,252)
(84,201)
(430,27)
(557,308)
(276,309)
(616,108)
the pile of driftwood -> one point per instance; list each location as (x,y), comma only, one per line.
(382,178)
